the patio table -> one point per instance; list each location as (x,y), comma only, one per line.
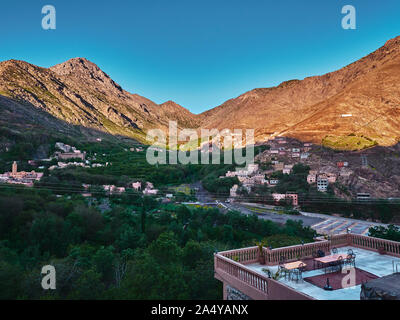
(332,258)
(293,265)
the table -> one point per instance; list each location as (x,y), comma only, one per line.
(293,265)
(332,258)
(289,267)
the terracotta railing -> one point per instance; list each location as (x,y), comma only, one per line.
(251,254)
(244,255)
(339,240)
(369,243)
(272,257)
(253,284)
(241,273)
(232,264)
(294,253)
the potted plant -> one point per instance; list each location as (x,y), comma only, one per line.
(261,254)
(277,275)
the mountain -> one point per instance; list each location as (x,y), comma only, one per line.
(80,93)
(174,112)
(352,108)
(312,109)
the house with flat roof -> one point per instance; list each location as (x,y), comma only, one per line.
(283,196)
(322,183)
(328,269)
(311,178)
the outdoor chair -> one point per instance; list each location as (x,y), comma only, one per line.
(336,265)
(282,260)
(350,251)
(296,274)
(282,270)
(353,260)
(320,253)
(314,255)
(331,266)
(302,267)
(340,263)
(334,251)
(348,259)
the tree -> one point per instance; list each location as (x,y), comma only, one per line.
(10,279)
(88,287)
(103,261)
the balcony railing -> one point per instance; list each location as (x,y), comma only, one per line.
(252,283)
(374,244)
(231,265)
(244,256)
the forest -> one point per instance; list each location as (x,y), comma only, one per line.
(136,249)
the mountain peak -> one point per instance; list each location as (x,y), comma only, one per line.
(76,64)
(392,42)
(176,112)
(85,70)
(170,103)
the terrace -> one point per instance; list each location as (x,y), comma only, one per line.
(374,258)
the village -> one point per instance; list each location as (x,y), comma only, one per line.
(283,154)
(70,156)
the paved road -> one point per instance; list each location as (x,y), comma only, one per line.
(336,225)
(202,194)
(266,213)
(322,223)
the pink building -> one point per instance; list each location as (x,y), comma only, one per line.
(282,196)
(311,178)
(150,191)
(294,197)
(137,185)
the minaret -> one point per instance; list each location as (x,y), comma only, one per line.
(14,169)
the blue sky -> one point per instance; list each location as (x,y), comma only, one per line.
(198,53)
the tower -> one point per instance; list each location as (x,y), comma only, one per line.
(14,168)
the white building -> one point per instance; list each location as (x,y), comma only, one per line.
(233,191)
(322,183)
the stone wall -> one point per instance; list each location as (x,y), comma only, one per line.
(385,288)
(234,294)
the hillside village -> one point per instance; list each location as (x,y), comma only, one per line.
(68,156)
(347,174)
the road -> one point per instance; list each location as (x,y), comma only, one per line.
(202,194)
(322,223)
(266,213)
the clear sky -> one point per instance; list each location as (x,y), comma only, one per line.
(198,53)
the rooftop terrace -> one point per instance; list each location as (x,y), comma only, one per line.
(241,269)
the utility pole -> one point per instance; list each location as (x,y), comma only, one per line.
(364,161)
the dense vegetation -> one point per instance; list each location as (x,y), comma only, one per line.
(391,232)
(135,248)
(350,142)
